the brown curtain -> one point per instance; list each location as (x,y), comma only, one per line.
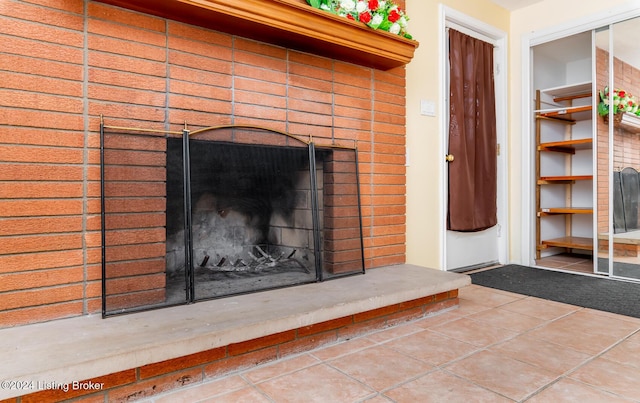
(472,135)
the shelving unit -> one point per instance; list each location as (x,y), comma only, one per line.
(558,176)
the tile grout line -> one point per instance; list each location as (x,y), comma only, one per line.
(567,373)
(519,333)
(442,368)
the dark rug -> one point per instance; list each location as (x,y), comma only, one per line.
(620,269)
(603,294)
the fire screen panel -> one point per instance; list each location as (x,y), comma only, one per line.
(134,194)
(223,211)
(339,207)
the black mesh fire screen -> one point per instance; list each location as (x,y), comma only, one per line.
(223,211)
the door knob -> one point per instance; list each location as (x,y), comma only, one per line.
(449,158)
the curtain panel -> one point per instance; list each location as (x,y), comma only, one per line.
(472,135)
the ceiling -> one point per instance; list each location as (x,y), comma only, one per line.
(625,41)
(577,46)
(512,5)
(625,35)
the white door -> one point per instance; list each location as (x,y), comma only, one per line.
(472,250)
(469,250)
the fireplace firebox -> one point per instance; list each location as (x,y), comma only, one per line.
(221,211)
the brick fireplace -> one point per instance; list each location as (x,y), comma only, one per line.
(68,63)
(223,211)
(146,71)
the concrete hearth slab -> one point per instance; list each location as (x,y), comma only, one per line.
(68,350)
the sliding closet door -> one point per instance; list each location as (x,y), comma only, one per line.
(605,207)
(617,124)
(624,136)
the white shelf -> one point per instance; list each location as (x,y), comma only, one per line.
(630,122)
(569,90)
(562,112)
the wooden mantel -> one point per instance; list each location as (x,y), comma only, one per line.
(288,23)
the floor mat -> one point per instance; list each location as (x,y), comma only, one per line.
(590,292)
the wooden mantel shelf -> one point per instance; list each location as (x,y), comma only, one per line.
(288,23)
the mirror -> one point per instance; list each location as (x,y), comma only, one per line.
(618,142)
(602,147)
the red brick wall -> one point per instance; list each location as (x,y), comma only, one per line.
(63,63)
(626,145)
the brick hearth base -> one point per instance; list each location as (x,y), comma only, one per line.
(134,356)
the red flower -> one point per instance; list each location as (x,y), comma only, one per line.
(365,17)
(373,5)
(394,16)
(621,93)
(350,17)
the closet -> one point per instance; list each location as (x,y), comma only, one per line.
(586,185)
(564,163)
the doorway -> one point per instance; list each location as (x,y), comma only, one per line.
(468,250)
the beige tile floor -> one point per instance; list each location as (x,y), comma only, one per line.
(568,262)
(496,347)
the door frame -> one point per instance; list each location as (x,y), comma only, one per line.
(606,17)
(470,25)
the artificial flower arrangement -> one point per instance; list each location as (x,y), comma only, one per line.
(377,14)
(622,102)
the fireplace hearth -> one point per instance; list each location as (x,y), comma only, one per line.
(223,211)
